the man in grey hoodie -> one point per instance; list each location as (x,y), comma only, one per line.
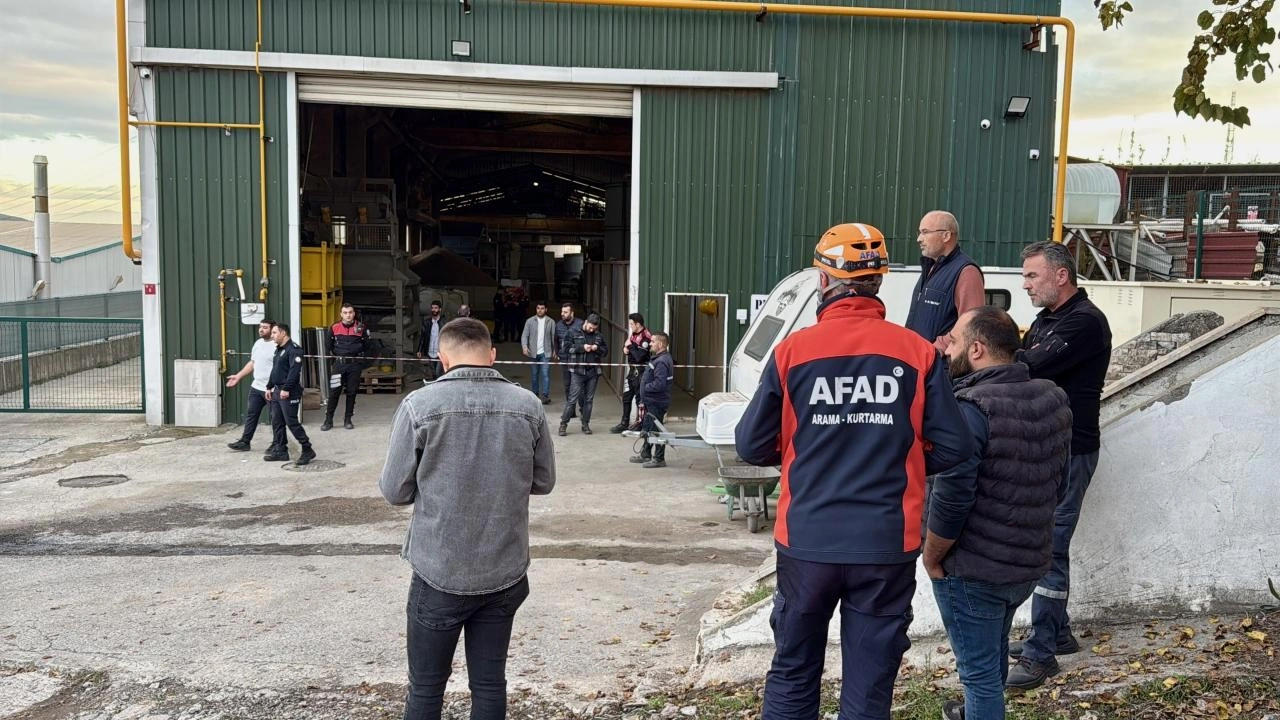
(467,451)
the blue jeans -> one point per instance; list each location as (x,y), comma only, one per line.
(875,612)
(541,370)
(1049,620)
(435,620)
(978,616)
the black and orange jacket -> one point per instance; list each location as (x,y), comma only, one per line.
(857,411)
(347,341)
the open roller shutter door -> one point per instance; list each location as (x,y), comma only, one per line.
(601,101)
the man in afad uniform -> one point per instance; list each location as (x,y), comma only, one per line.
(857,411)
(284,392)
(636,351)
(346,344)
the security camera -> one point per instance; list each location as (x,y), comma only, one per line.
(985,124)
(1034,154)
(144,73)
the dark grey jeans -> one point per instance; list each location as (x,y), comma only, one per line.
(435,620)
(1050,622)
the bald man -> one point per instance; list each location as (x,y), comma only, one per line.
(950,282)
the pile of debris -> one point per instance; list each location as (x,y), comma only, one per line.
(1159,341)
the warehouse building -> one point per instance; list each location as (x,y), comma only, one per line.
(669,161)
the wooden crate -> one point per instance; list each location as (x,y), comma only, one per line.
(372,382)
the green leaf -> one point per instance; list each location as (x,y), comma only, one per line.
(1200,98)
(1259,73)
(1127,7)
(1205,20)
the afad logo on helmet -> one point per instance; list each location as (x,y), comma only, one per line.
(852,250)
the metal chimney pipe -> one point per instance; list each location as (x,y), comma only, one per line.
(43,252)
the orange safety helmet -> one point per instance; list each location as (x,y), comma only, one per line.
(852,250)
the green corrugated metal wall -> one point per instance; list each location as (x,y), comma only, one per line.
(209,219)
(501,31)
(702,202)
(874,120)
(838,143)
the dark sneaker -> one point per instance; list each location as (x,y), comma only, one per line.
(638,459)
(1070,646)
(307,456)
(635,425)
(1027,675)
(617,429)
(586,429)
(546,400)
(326,425)
(654,464)
(276,456)
(239,445)
(564,430)
(953,710)
(347,424)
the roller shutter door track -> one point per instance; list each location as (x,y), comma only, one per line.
(483,95)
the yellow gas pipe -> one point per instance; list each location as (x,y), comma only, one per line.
(222,307)
(126,206)
(763,9)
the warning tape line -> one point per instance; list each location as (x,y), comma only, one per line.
(423,361)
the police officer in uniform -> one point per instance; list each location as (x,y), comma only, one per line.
(284,393)
(345,343)
(636,350)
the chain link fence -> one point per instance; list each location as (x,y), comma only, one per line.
(1166,196)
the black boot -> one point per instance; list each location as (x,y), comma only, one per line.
(276,454)
(240,445)
(327,424)
(307,456)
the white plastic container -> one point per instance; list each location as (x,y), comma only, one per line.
(718,415)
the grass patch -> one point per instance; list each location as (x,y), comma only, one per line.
(756,594)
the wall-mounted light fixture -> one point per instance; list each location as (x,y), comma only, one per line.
(1017,107)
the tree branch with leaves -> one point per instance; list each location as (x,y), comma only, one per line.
(1240,29)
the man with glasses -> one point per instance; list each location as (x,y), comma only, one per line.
(950,282)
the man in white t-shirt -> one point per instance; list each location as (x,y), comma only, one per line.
(261,357)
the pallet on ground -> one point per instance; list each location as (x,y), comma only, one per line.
(381,382)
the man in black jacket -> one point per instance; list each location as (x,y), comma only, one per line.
(584,349)
(1070,344)
(990,518)
(346,343)
(284,392)
(655,399)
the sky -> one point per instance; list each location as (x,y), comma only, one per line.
(58,98)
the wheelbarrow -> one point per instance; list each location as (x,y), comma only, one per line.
(748,487)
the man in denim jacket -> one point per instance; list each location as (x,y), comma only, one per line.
(467,451)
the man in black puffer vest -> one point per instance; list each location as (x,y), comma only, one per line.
(989,535)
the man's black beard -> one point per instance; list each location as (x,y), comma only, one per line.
(959,366)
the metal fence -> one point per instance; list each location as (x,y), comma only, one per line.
(53,364)
(1166,196)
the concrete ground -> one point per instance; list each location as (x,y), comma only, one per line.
(212,571)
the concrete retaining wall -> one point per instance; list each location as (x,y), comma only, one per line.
(52,364)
